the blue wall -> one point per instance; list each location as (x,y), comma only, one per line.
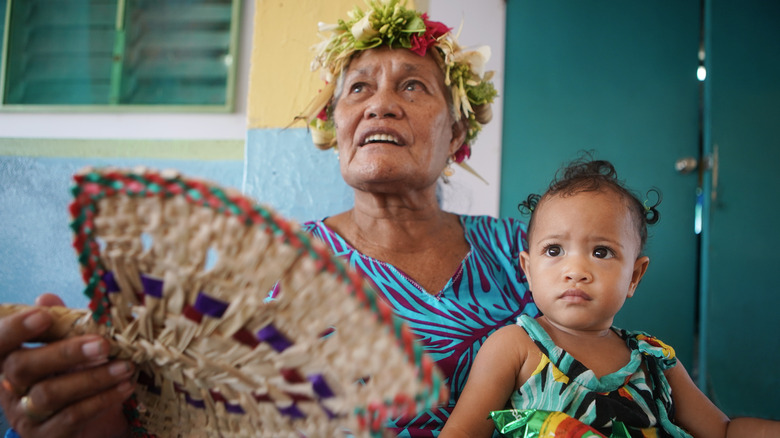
(285,170)
(35,241)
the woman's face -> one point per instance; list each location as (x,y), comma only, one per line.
(393,123)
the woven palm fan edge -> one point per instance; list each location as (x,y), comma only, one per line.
(93,184)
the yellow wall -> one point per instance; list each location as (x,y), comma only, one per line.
(280,79)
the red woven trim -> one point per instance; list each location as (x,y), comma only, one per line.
(137,430)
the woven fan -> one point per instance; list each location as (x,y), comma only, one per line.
(178,271)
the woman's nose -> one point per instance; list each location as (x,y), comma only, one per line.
(383,104)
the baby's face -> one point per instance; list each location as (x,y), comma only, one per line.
(582,260)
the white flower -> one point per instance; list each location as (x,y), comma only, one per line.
(362,30)
(325,27)
(327,76)
(476,58)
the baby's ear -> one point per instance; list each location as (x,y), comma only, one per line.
(640,267)
(525,264)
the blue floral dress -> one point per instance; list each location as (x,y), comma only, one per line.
(487,291)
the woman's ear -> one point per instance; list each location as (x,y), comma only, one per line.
(526,265)
(459,129)
(640,267)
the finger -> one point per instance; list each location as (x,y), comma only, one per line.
(21,327)
(33,412)
(87,414)
(56,393)
(11,388)
(25,367)
(49,300)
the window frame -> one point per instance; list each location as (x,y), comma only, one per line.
(230,85)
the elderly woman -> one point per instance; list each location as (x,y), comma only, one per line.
(403,101)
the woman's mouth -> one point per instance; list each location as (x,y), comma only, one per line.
(382,138)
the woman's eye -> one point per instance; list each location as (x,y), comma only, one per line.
(602,253)
(553,251)
(413,86)
(356,88)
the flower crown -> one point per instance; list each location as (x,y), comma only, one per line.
(389,23)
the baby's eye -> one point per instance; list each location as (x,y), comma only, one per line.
(602,252)
(553,251)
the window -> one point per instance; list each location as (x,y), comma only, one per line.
(119,54)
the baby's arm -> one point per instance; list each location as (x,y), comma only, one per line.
(701,418)
(492,379)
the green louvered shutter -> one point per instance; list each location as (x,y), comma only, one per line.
(3,6)
(121,53)
(59,51)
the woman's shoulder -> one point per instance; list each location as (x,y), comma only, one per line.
(311,226)
(317,228)
(321,231)
(497,232)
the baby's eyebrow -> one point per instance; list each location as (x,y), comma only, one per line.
(550,237)
(611,242)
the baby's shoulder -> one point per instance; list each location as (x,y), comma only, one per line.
(509,333)
(513,343)
(511,340)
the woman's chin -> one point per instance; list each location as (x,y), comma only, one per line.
(388,183)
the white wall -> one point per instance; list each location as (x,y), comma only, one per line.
(483,24)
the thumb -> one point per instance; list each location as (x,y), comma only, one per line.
(49,300)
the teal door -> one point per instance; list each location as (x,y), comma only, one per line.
(741,322)
(620,78)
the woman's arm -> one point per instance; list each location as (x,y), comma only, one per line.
(491,381)
(702,419)
(72,388)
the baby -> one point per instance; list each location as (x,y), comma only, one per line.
(585,240)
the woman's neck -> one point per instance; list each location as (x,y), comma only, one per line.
(409,221)
(424,242)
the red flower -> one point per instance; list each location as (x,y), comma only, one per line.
(463,153)
(433,30)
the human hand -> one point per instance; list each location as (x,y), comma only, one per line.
(65,388)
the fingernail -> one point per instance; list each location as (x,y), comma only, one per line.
(119,368)
(125,387)
(35,321)
(93,349)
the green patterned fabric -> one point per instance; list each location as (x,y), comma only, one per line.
(639,399)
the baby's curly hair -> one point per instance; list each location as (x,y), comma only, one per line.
(588,175)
